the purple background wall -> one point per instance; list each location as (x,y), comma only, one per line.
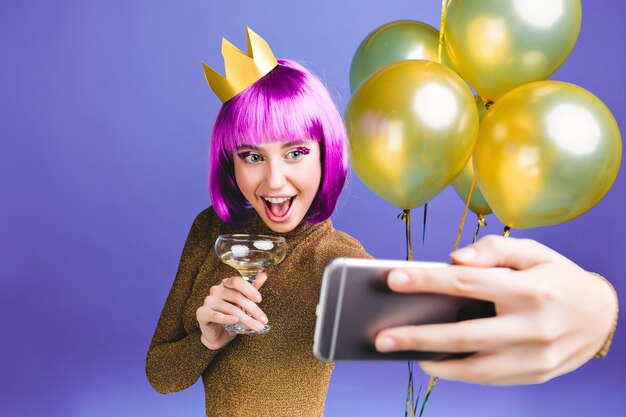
(105,119)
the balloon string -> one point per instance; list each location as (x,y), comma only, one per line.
(444,9)
(424,224)
(507,231)
(405,216)
(431,384)
(410,394)
(409,245)
(467,203)
(480,223)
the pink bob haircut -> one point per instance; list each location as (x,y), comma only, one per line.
(287,104)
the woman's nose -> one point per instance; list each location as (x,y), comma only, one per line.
(275,175)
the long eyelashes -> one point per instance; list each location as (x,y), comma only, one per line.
(249,157)
(244,154)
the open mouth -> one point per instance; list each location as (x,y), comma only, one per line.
(278,209)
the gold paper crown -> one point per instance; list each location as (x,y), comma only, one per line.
(241,70)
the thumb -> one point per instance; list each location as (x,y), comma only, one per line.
(493,251)
(260,280)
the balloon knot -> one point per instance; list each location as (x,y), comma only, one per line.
(403,215)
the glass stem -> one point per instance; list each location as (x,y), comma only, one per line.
(249,277)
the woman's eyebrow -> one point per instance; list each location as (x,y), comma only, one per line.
(296,142)
(244,146)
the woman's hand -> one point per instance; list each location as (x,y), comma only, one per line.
(224,306)
(552,316)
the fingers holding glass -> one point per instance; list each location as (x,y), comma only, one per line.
(244,303)
(243,287)
(225,307)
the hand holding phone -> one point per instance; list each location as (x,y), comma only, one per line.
(356,303)
(552,315)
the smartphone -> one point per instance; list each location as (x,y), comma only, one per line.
(356,303)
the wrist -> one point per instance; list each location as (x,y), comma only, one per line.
(604,350)
(208,344)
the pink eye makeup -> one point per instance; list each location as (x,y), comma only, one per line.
(249,157)
(244,154)
(298,153)
(303,150)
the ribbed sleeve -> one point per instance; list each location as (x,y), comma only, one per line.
(176,359)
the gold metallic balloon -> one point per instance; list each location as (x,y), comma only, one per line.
(498,45)
(392,42)
(412,127)
(463,182)
(546,153)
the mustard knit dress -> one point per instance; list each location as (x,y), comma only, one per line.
(273,374)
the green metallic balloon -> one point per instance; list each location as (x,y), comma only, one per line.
(392,42)
(547,152)
(412,127)
(498,45)
(463,182)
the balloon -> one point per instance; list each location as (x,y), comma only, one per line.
(395,41)
(463,182)
(498,45)
(546,153)
(412,127)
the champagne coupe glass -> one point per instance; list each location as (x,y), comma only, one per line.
(249,255)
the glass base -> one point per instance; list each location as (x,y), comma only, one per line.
(239,329)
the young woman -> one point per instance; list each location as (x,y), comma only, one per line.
(278,163)
(279,160)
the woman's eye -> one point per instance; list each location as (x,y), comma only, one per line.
(250,158)
(297,154)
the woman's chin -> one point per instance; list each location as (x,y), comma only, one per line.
(285,226)
(281,228)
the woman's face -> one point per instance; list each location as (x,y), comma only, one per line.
(280,180)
